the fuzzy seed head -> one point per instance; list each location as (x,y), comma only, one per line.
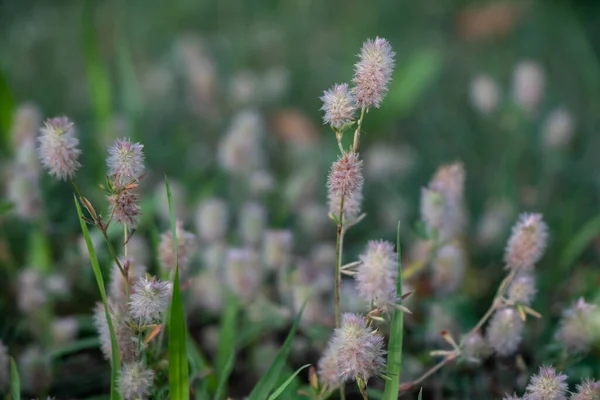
(484,94)
(587,390)
(58,148)
(123,332)
(149,300)
(339,106)
(377,273)
(360,352)
(125,161)
(505,331)
(527,242)
(186,246)
(547,384)
(211,219)
(135,381)
(448,268)
(522,290)
(476,348)
(373,73)
(4,367)
(329,376)
(345,177)
(575,332)
(126,205)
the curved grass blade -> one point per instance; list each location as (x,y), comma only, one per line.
(114,394)
(15,382)
(394,357)
(178,366)
(420,394)
(6,111)
(267,382)
(285,384)
(578,244)
(198,367)
(224,376)
(227,346)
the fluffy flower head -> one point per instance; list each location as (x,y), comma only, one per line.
(328,372)
(527,242)
(149,300)
(373,72)
(377,273)
(125,161)
(522,290)
(135,381)
(547,384)
(345,177)
(352,205)
(58,148)
(587,390)
(339,105)
(126,205)
(505,331)
(575,332)
(186,245)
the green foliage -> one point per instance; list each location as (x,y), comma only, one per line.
(227,345)
(15,383)
(6,113)
(579,243)
(285,384)
(394,356)
(178,365)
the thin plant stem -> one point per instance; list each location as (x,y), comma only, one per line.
(126,270)
(357,131)
(338,261)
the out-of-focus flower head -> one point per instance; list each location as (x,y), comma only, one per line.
(505,331)
(186,246)
(528,84)
(575,332)
(339,106)
(547,384)
(149,300)
(373,73)
(135,381)
(377,273)
(59,148)
(484,94)
(527,242)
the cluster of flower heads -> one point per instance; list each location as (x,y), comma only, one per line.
(549,384)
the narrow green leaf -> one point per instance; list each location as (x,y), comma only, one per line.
(15,383)
(579,243)
(178,367)
(224,376)
(267,382)
(285,384)
(420,394)
(394,356)
(227,335)
(6,114)
(114,394)
(199,366)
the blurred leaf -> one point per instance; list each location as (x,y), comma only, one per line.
(130,92)
(97,73)
(285,384)
(394,356)
(420,394)
(421,229)
(15,385)
(227,336)
(178,366)
(114,394)
(40,253)
(224,375)
(267,382)
(412,79)
(6,207)
(375,394)
(6,113)
(579,243)
(199,365)
(74,347)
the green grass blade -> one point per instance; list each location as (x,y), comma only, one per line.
(227,335)
(178,367)
(579,243)
(6,114)
(199,367)
(114,394)
(269,379)
(394,356)
(224,376)
(285,384)
(15,382)
(420,394)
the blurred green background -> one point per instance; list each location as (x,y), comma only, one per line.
(174,75)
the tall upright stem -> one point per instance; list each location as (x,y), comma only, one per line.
(338,261)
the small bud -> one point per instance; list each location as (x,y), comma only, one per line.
(484,94)
(345,177)
(135,381)
(211,219)
(125,161)
(547,384)
(360,352)
(339,106)
(149,300)
(377,273)
(373,72)
(527,242)
(505,331)
(575,331)
(522,289)
(58,149)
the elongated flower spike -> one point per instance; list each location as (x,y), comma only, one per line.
(373,73)
(59,148)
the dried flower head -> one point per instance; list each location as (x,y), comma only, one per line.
(211,219)
(448,268)
(123,332)
(360,352)
(252,221)
(58,149)
(186,246)
(329,376)
(373,72)
(135,381)
(149,300)
(587,390)
(125,161)
(339,106)
(377,273)
(4,367)
(575,332)
(528,85)
(242,272)
(277,248)
(505,331)
(476,348)
(484,94)
(522,289)
(527,242)
(126,205)
(547,384)
(558,129)
(345,177)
